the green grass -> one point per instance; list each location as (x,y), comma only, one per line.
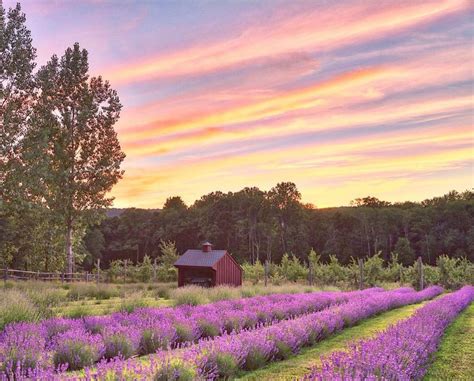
(91,307)
(455,358)
(301,364)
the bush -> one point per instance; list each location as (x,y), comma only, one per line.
(118,345)
(208,329)
(227,366)
(79,291)
(216,294)
(169,255)
(21,345)
(77,349)
(151,341)
(131,303)
(453,272)
(175,370)
(15,307)
(145,270)
(253,273)
(255,359)
(292,269)
(184,333)
(191,295)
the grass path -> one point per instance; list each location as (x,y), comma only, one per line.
(302,363)
(455,357)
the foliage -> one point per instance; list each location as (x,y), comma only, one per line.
(145,270)
(16,307)
(253,273)
(169,255)
(292,269)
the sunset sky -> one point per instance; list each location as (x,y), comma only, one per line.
(346,99)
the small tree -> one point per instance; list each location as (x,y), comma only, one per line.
(145,271)
(404,251)
(169,255)
(291,268)
(254,272)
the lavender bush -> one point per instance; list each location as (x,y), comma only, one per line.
(251,349)
(403,351)
(76,349)
(149,329)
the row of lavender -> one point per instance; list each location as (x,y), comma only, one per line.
(82,342)
(223,357)
(403,351)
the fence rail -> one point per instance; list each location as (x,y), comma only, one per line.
(12,274)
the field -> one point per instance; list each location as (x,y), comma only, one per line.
(288,332)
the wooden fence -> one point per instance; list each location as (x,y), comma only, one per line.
(11,274)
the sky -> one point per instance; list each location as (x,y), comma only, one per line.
(344,98)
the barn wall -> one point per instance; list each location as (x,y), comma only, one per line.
(228,272)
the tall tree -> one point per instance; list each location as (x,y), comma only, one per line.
(16,92)
(71,150)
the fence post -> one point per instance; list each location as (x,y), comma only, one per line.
(420,268)
(265,271)
(98,271)
(311,274)
(125,271)
(361,274)
(62,277)
(154,270)
(5,275)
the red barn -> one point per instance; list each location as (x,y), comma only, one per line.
(208,268)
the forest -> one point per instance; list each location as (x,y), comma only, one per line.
(255,225)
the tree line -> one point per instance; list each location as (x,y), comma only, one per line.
(256,225)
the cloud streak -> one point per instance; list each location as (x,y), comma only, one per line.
(344,98)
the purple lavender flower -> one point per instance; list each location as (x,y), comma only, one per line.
(403,351)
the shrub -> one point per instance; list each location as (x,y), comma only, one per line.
(255,359)
(132,303)
(175,370)
(121,341)
(184,333)
(78,349)
(153,339)
(169,255)
(227,366)
(21,344)
(145,270)
(216,294)
(292,269)
(163,291)
(253,273)
(208,329)
(79,291)
(191,295)
(283,350)
(16,307)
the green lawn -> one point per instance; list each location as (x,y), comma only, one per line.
(298,366)
(455,357)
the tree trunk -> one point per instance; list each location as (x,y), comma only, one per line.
(69,253)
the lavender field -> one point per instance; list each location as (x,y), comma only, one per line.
(236,338)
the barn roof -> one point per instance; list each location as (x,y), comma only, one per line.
(199,258)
